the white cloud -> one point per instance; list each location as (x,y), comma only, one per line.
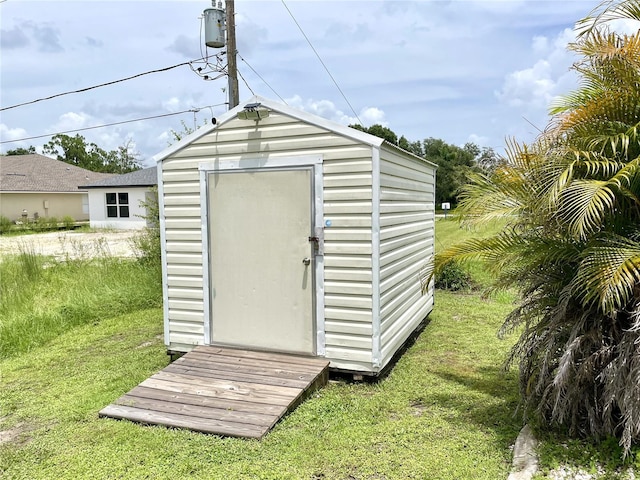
(8,134)
(46,35)
(173,104)
(535,87)
(110,139)
(188,47)
(627,26)
(531,86)
(70,121)
(327,109)
(373,115)
(249,34)
(164,137)
(480,140)
(184,101)
(540,45)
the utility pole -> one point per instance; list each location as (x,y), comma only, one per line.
(232,65)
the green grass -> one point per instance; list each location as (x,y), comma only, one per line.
(42,298)
(555,448)
(449,232)
(445,411)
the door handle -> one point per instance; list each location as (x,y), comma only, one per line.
(306,261)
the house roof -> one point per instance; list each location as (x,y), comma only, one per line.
(147,177)
(37,173)
(306,117)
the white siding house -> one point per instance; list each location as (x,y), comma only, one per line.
(119,202)
(292,233)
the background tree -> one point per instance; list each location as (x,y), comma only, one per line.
(379,131)
(76,151)
(22,151)
(488,160)
(455,164)
(571,245)
(413,147)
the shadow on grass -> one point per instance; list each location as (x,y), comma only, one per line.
(491,402)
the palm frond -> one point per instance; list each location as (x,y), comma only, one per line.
(608,11)
(609,273)
(584,206)
(572,241)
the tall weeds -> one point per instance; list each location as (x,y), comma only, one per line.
(41,299)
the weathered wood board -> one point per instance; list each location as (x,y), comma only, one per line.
(223,391)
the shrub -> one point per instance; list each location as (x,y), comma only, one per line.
(52,223)
(453,277)
(69,222)
(147,244)
(40,224)
(5,224)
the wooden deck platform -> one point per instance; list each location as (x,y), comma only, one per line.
(224,391)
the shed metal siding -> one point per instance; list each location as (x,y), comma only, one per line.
(347,191)
(407,217)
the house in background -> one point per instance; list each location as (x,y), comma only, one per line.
(35,186)
(119,202)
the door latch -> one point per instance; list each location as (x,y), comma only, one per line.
(318,240)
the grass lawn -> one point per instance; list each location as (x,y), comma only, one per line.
(445,411)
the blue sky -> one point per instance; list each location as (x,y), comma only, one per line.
(462,71)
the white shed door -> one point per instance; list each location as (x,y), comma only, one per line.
(261,261)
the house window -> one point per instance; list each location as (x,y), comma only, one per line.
(117,205)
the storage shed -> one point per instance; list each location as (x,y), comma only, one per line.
(283,231)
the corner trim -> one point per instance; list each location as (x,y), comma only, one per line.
(376,353)
(163,254)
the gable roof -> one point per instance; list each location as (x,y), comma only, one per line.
(147,177)
(306,117)
(37,173)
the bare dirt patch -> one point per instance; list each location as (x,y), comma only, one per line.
(69,244)
(16,434)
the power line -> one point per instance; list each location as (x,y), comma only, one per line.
(323,64)
(103,84)
(246,83)
(261,78)
(191,110)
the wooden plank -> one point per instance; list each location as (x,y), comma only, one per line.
(207,401)
(223,391)
(220,414)
(183,421)
(195,375)
(249,388)
(230,362)
(278,371)
(248,361)
(260,355)
(226,374)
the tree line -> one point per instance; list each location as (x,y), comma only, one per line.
(77,151)
(455,164)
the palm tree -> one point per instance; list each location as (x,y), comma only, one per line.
(572,241)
